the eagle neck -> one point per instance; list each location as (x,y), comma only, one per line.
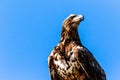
(71,35)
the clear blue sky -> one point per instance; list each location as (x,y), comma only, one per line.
(29,29)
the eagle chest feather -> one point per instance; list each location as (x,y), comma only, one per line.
(66,63)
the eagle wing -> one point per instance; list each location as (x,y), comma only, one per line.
(89,64)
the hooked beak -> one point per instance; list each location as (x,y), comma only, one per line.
(78,18)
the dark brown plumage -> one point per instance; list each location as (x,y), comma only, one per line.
(70,60)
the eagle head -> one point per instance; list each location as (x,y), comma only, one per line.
(72,21)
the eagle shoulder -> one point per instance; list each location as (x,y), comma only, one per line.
(88,63)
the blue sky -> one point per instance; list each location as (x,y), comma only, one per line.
(29,29)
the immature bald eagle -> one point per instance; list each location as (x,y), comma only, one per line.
(70,60)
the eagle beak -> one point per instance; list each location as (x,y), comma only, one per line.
(78,18)
(81,17)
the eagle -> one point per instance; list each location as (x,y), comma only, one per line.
(70,60)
